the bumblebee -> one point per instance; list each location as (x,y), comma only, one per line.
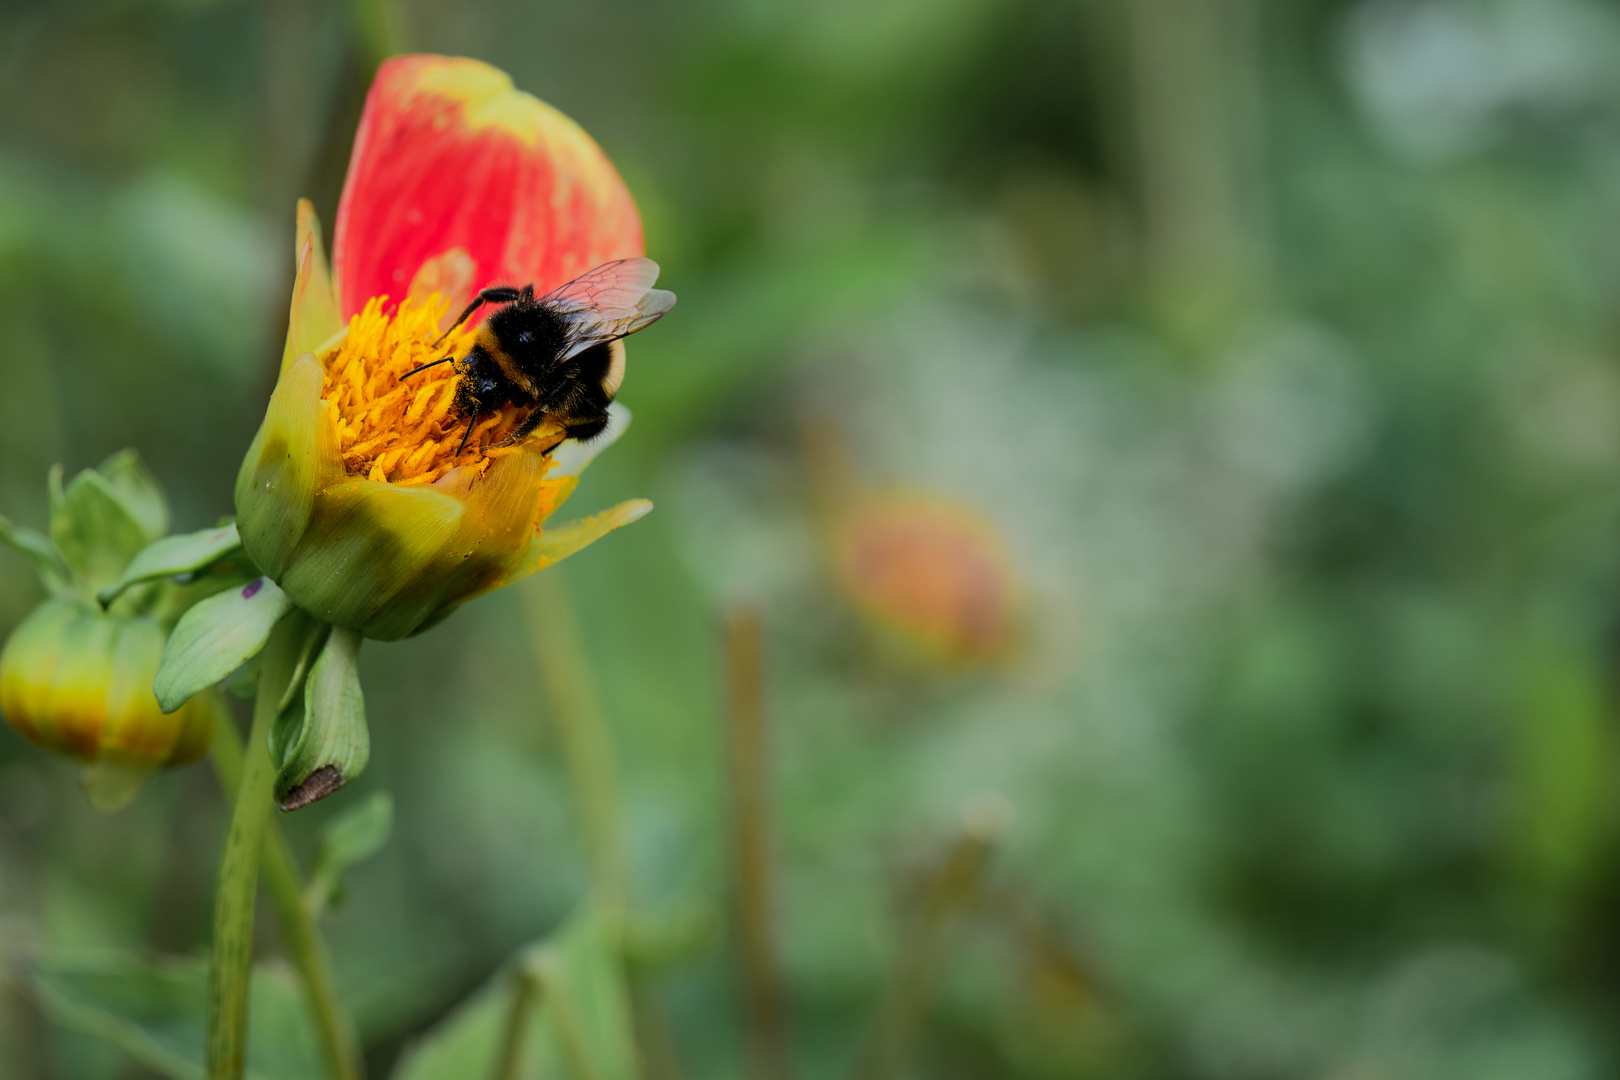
(562,354)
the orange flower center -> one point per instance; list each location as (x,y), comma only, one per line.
(406,431)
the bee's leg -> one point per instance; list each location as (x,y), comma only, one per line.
(466,434)
(522,431)
(500,294)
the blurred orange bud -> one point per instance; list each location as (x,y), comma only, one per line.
(934,571)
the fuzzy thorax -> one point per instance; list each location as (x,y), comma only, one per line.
(406,431)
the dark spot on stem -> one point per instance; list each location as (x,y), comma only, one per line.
(319,784)
(252,588)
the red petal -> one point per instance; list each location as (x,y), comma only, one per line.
(450,156)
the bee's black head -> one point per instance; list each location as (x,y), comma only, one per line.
(482,385)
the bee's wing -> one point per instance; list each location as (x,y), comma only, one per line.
(612,301)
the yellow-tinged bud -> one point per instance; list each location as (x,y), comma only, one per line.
(79,681)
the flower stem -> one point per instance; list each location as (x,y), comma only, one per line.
(308,955)
(230,962)
(951,889)
(300,936)
(747,765)
(587,745)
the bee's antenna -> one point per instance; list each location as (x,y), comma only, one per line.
(424,367)
(466,435)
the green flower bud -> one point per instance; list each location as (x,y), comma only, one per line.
(76,677)
(78,681)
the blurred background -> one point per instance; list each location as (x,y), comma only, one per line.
(1170,447)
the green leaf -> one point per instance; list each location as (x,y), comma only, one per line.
(467,1042)
(129,478)
(91,527)
(174,555)
(214,638)
(330,744)
(348,839)
(39,550)
(153,1010)
(577,1025)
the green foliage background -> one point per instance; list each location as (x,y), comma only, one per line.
(1279,338)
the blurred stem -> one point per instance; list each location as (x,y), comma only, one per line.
(21,1045)
(749,775)
(950,889)
(587,747)
(586,743)
(1186,133)
(379,24)
(525,995)
(660,1057)
(230,962)
(299,933)
(1244,62)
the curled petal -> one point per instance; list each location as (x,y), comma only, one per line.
(314,316)
(451,163)
(293,456)
(557,543)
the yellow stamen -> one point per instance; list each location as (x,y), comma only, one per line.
(407,432)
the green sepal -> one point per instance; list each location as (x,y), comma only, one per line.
(292,698)
(38,549)
(111,786)
(215,638)
(174,555)
(328,745)
(135,486)
(95,532)
(350,838)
